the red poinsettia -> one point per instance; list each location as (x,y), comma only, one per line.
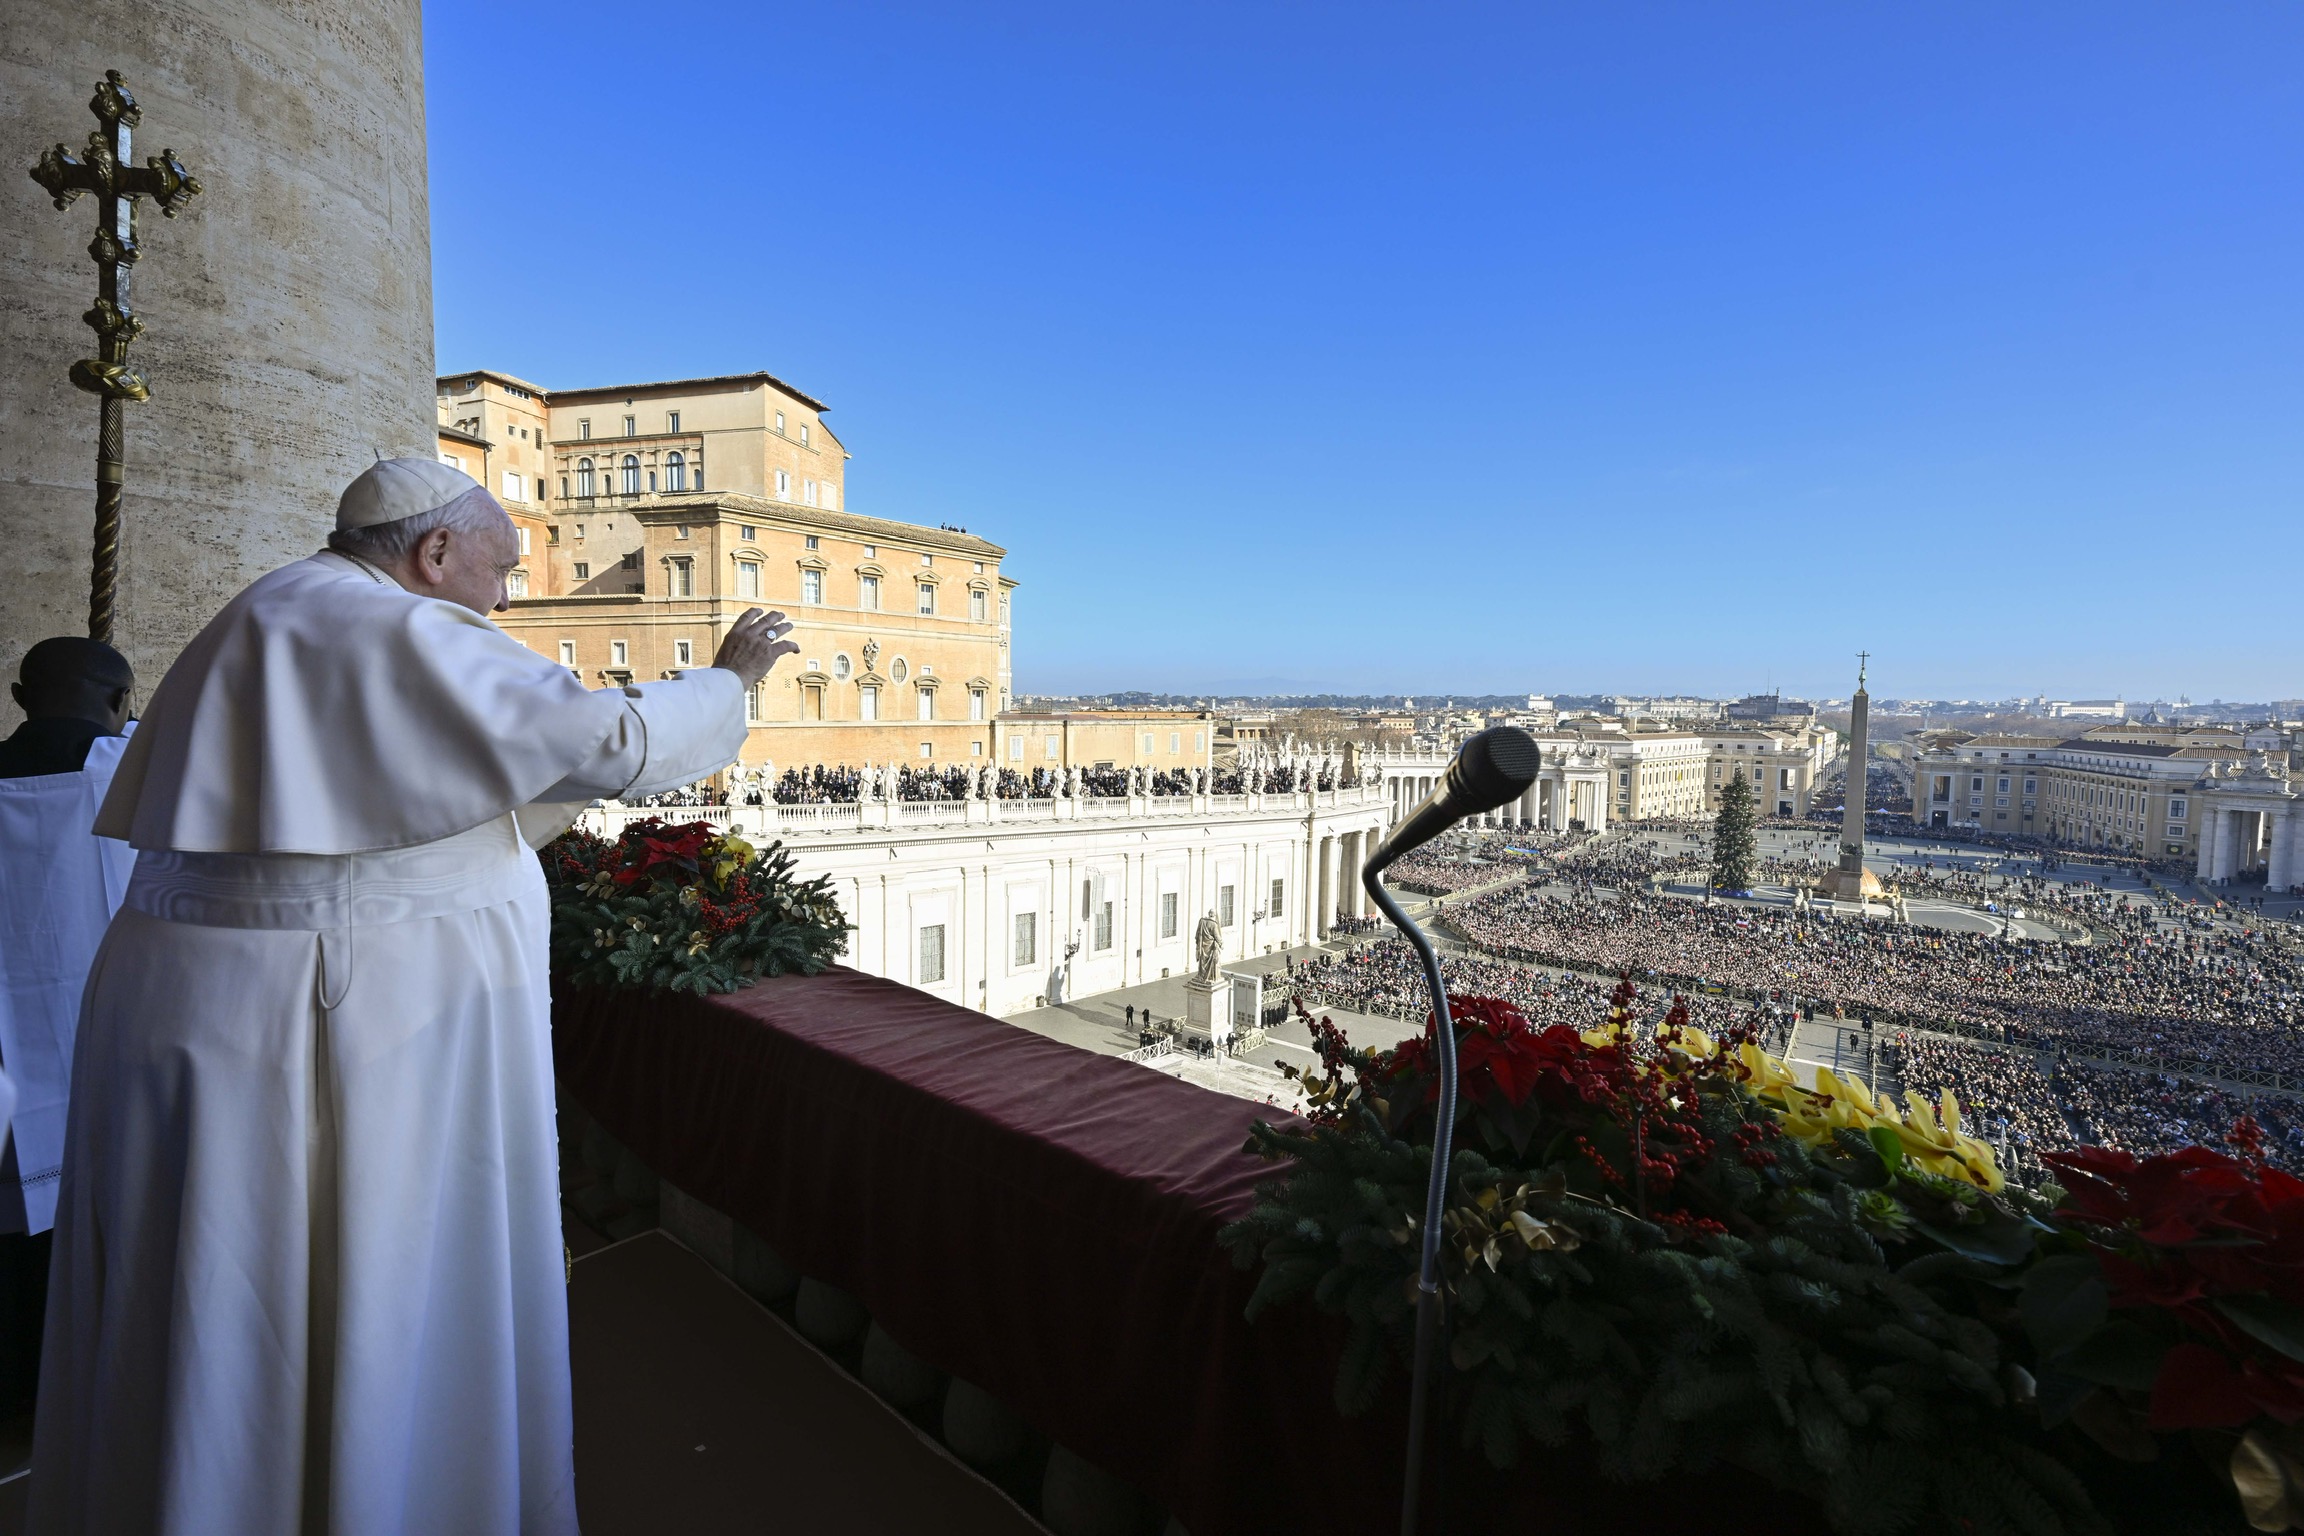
(2211,1246)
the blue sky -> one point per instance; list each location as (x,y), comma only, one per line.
(1463,348)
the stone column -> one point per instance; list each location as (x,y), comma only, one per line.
(1325,886)
(2280,862)
(2227,844)
(2204,865)
(288,310)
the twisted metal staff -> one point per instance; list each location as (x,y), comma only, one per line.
(104,169)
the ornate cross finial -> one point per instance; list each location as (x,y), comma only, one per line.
(1863,660)
(105,169)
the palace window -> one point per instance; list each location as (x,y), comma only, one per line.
(927,703)
(567,653)
(931,953)
(752,703)
(829,494)
(584,430)
(747,578)
(523,532)
(803,434)
(1052,746)
(680,531)
(783,486)
(1167,914)
(513,489)
(1223,906)
(1104,925)
(675,467)
(748,533)
(563,487)
(808,492)
(671,421)
(619,653)
(683,653)
(975,703)
(584,486)
(583,570)
(840,666)
(927,749)
(812,702)
(1016,749)
(868,702)
(631,427)
(927,598)
(631,562)
(811,586)
(868,592)
(898,670)
(976,606)
(631,474)
(779,421)
(1278,888)
(1027,951)
(516,584)
(809,539)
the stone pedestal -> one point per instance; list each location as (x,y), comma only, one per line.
(1205,1016)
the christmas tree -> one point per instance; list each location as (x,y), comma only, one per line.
(1732,845)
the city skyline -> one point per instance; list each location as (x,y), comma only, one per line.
(1348,357)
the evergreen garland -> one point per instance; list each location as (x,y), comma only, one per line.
(685,909)
(1636,1252)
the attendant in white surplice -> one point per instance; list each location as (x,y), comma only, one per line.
(308,1273)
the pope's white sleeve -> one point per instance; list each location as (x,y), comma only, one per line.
(670,734)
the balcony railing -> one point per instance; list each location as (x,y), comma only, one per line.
(796,822)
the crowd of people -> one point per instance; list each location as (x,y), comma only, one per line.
(2148,1112)
(845,785)
(2215,998)
(2005,1098)
(1476,856)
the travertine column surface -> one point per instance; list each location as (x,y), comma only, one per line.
(287,311)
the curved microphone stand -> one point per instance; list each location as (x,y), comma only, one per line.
(1491,768)
(1435,1194)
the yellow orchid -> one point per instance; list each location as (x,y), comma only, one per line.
(728,854)
(1929,1134)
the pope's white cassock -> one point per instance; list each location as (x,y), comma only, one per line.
(308,1269)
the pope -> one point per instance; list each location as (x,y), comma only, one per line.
(308,1271)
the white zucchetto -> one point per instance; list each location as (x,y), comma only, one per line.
(391,489)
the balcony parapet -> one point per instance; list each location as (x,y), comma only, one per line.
(803,823)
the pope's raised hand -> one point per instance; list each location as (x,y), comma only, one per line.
(753,644)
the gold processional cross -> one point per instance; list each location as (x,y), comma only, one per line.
(105,170)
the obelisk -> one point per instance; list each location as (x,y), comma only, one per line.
(1848,879)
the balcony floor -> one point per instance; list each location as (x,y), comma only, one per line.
(700,1411)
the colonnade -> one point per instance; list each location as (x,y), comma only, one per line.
(2237,837)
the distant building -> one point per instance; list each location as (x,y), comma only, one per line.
(632,569)
(1163,739)
(2095,790)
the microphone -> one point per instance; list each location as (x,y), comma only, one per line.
(1491,768)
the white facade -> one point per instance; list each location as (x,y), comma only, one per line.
(1004,905)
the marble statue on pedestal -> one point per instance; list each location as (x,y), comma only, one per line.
(1207,946)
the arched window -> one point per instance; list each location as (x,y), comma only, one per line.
(631,474)
(584,477)
(676,472)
